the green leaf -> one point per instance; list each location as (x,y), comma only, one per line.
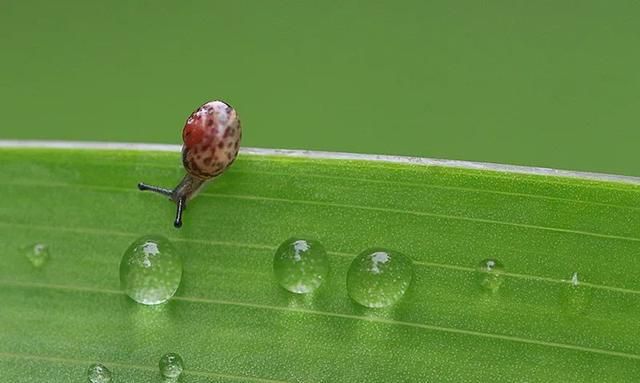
(230,321)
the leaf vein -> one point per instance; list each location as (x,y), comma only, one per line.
(450,330)
(337,253)
(210,374)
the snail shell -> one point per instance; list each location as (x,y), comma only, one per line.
(211,138)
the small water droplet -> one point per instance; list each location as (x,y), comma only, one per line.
(576,297)
(98,373)
(300,265)
(379,277)
(150,270)
(38,254)
(490,274)
(171,365)
(574,279)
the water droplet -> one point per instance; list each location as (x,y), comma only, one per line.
(38,254)
(490,274)
(300,265)
(150,270)
(98,373)
(171,365)
(576,297)
(379,277)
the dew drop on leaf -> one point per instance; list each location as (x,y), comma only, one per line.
(38,254)
(576,297)
(171,365)
(490,274)
(150,270)
(300,265)
(379,277)
(98,373)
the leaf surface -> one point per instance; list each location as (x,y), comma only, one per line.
(230,320)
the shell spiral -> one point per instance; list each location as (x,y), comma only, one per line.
(211,139)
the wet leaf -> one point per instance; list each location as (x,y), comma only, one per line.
(231,321)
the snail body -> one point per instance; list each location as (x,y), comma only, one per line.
(211,141)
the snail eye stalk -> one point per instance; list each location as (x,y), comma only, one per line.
(181,205)
(155,189)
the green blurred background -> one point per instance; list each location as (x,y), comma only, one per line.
(543,83)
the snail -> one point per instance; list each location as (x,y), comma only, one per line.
(211,140)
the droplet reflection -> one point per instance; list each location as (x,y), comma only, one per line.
(150,270)
(379,277)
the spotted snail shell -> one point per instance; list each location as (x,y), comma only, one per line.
(211,139)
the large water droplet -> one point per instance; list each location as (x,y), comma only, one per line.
(98,373)
(576,297)
(38,254)
(150,270)
(379,277)
(300,265)
(171,365)
(490,274)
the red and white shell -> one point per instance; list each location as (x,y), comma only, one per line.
(211,139)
